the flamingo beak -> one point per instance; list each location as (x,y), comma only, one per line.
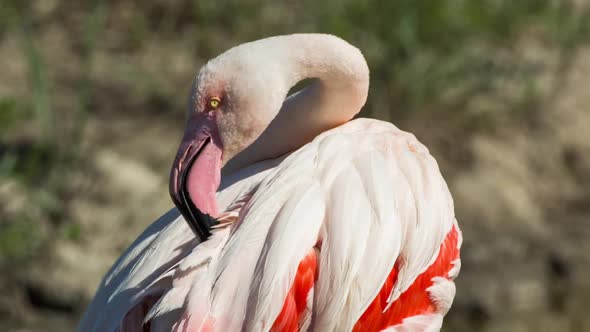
(196,173)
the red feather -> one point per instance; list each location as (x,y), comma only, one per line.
(296,300)
(415,300)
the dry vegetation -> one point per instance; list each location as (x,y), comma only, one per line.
(91,110)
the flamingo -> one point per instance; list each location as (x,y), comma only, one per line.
(289,215)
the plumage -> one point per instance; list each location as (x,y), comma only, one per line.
(353,230)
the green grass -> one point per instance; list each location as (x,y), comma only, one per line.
(40,163)
(425,48)
(12,113)
(20,241)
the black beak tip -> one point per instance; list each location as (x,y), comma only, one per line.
(199,222)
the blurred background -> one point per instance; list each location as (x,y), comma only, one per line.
(92,97)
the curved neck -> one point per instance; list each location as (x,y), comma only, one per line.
(334,98)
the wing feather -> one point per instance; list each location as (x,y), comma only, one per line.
(386,202)
(368,193)
(293,233)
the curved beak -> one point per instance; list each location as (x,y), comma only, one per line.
(196,173)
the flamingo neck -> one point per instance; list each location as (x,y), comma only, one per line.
(336,96)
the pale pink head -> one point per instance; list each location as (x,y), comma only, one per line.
(238,112)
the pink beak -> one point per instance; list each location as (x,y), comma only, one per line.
(196,173)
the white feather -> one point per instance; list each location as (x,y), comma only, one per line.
(368,191)
(420,323)
(442,293)
(293,233)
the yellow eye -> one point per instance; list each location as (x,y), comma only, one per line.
(214,103)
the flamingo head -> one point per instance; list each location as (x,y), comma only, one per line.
(238,113)
(232,101)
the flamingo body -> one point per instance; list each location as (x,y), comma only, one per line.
(387,239)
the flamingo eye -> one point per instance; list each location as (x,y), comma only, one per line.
(214,103)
